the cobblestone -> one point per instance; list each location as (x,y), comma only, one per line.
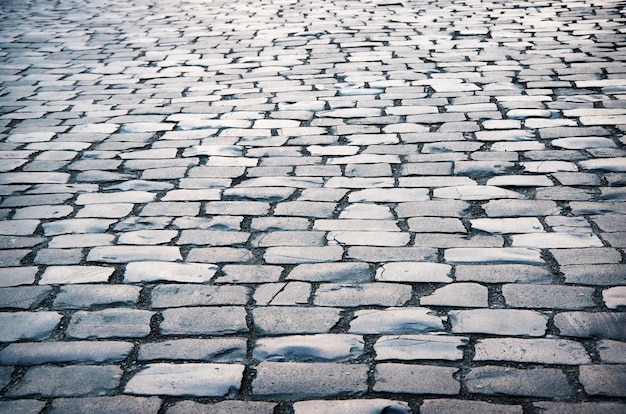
(270,206)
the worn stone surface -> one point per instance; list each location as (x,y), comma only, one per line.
(376,206)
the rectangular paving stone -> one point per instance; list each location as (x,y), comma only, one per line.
(232,407)
(606,325)
(27,325)
(110,323)
(178,295)
(498,322)
(534,382)
(609,380)
(67,381)
(420,347)
(219,320)
(127,254)
(540,351)
(104,352)
(415,379)
(595,274)
(276,320)
(441,406)
(548,296)
(192,349)
(293,379)
(24,297)
(582,407)
(110,404)
(186,380)
(352,406)
(296,254)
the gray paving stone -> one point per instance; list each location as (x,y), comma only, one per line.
(466,295)
(344,295)
(250,274)
(548,296)
(17,276)
(128,254)
(295,255)
(28,325)
(293,379)
(109,323)
(415,379)
(24,298)
(67,381)
(177,295)
(595,274)
(213,350)
(75,274)
(199,380)
(276,320)
(498,322)
(417,347)
(309,348)
(440,406)
(365,406)
(415,272)
(582,408)
(233,407)
(542,351)
(22,406)
(606,325)
(611,351)
(112,404)
(395,321)
(104,352)
(603,380)
(149,271)
(221,320)
(354,272)
(537,382)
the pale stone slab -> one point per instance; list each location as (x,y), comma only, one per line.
(148,271)
(415,272)
(186,380)
(417,347)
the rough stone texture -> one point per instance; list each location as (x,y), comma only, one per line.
(198,380)
(294,379)
(318,196)
(67,381)
(533,382)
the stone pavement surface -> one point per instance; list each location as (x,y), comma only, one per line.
(289,206)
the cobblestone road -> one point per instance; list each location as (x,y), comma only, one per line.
(289,206)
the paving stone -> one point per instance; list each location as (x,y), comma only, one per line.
(470,255)
(417,347)
(190,380)
(178,295)
(22,406)
(391,254)
(540,351)
(28,325)
(382,294)
(233,407)
(250,274)
(112,404)
(293,379)
(295,255)
(67,381)
(213,350)
(611,351)
(369,406)
(605,325)
(309,348)
(109,323)
(467,295)
(440,406)
(415,272)
(537,382)
(104,352)
(148,271)
(582,408)
(275,320)
(220,320)
(24,298)
(498,322)
(595,275)
(548,296)
(395,321)
(17,276)
(354,272)
(128,254)
(415,379)
(603,380)
(75,274)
